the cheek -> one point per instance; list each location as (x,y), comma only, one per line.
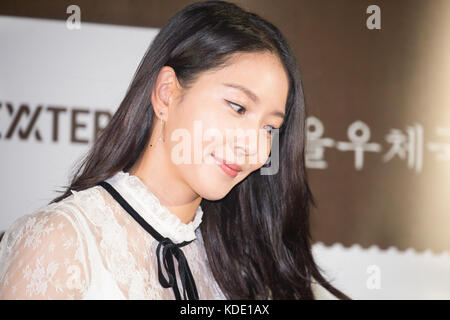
(207,180)
(258,165)
(206,129)
(189,147)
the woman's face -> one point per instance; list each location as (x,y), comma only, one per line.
(217,120)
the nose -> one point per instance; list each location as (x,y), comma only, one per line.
(245,143)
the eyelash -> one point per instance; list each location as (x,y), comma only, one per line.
(232,103)
(242,108)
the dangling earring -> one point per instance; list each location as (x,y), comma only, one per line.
(160,132)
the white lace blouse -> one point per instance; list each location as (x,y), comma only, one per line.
(88,247)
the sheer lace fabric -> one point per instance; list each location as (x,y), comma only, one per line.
(88,247)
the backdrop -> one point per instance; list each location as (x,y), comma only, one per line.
(376,77)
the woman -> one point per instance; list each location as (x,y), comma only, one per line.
(137,223)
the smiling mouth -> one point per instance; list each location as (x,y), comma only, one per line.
(231,170)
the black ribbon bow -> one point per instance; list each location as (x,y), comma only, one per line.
(169,251)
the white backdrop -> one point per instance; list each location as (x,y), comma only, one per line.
(45,65)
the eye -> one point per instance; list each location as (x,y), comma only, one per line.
(239,109)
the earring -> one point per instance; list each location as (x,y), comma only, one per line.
(160,132)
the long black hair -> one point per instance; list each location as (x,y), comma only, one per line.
(257,238)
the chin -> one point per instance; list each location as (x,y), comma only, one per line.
(213,196)
(210,185)
(211,190)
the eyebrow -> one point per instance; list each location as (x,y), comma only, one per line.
(251,95)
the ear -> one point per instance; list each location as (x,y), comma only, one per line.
(164,91)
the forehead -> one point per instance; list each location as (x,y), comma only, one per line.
(262,73)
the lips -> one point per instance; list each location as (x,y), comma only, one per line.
(232,166)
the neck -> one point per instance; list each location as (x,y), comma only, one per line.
(159,175)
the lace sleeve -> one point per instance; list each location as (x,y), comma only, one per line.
(43,256)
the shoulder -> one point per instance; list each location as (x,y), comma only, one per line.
(95,204)
(31,228)
(43,255)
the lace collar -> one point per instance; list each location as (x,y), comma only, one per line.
(136,193)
